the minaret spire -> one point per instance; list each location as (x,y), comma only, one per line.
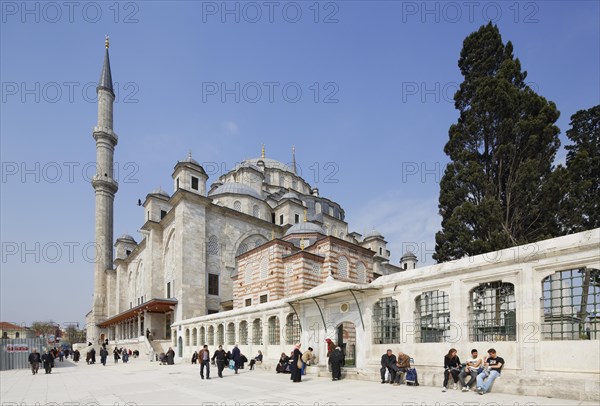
(294,159)
(105,81)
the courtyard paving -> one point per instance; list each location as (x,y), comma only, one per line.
(147,383)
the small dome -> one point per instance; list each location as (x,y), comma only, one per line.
(290,195)
(126,237)
(306,227)
(190,160)
(373,233)
(159,191)
(236,188)
(408,255)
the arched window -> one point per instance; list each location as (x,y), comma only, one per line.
(432,317)
(244,332)
(361,273)
(493,312)
(257,332)
(220,334)
(571,305)
(242,249)
(202,336)
(264,268)
(187,337)
(231,334)
(342,267)
(255,211)
(211,335)
(194,336)
(386,322)
(237,205)
(292,329)
(213,245)
(274,333)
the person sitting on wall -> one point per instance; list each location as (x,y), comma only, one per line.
(471,369)
(492,370)
(283,364)
(402,366)
(388,363)
(256,360)
(243,360)
(451,367)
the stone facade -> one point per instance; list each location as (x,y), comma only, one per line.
(349,314)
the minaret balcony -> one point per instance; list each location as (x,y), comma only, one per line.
(105,183)
(105,132)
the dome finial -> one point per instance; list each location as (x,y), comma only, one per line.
(106,42)
(305,215)
(262,152)
(190,154)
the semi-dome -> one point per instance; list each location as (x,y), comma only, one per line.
(236,188)
(306,227)
(290,195)
(160,191)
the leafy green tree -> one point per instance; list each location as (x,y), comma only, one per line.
(580,179)
(497,191)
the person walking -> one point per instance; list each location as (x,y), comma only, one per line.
(204,359)
(125,356)
(76,355)
(296,364)
(220,358)
(116,355)
(236,356)
(103,356)
(337,361)
(170,357)
(34,360)
(48,360)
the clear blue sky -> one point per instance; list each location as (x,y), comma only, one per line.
(385,73)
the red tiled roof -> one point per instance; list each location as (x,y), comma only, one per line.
(4,325)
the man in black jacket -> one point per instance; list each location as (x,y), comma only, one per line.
(48,360)
(388,363)
(220,356)
(34,360)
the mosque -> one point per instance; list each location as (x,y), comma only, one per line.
(259,258)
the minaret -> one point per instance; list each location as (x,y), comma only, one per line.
(105,188)
(294,159)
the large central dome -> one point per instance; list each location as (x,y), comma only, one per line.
(269,163)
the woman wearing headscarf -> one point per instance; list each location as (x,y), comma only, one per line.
(330,348)
(296,359)
(337,360)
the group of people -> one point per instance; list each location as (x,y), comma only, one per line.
(295,364)
(234,359)
(480,371)
(395,367)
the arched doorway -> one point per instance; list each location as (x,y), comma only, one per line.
(180,347)
(346,340)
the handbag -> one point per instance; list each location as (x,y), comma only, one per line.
(299,363)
